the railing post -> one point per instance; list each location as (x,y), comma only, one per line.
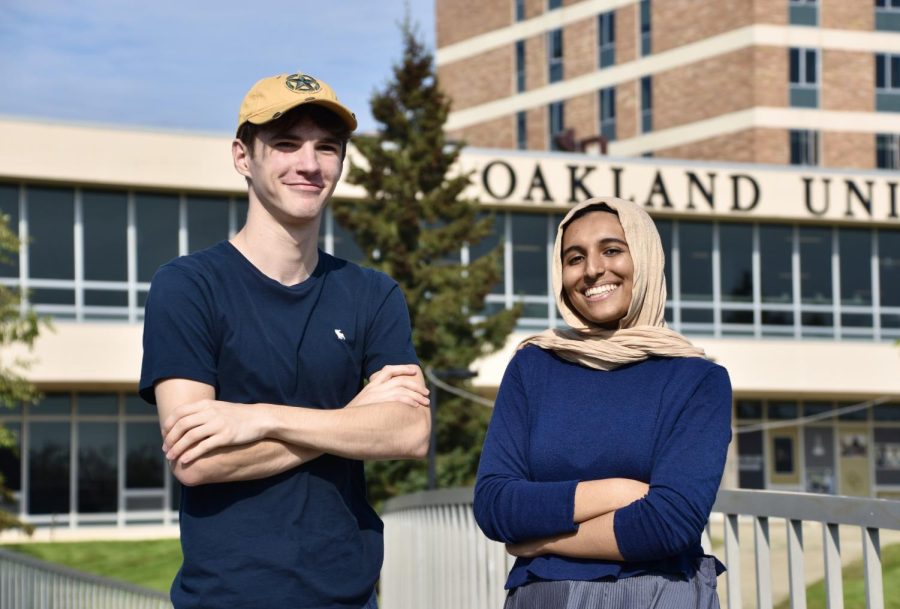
(733,560)
(795,564)
(763,562)
(872,567)
(834,585)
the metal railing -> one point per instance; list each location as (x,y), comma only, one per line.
(436,557)
(29,583)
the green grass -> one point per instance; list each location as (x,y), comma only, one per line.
(855,587)
(151,564)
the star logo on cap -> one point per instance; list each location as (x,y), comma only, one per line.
(301,83)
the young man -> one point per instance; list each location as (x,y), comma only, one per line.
(255,352)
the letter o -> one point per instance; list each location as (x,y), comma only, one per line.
(486,182)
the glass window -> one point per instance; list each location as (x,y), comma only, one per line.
(645,28)
(886,412)
(804,147)
(775,256)
(521,131)
(695,260)
(157,232)
(608,113)
(803,68)
(557,122)
(10,459)
(606,39)
(134,404)
(104,216)
(97,467)
(345,245)
(815,265)
(664,228)
(887,455)
(520,65)
(750,460)
(529,245)
(748,409)
(804,77)
(813,408)
(887,15)
(9,207)
(887,82)
(736,253)
(49,451)
(53,403)
(889,267)
(175,498)
(782,410)
(804,12)
(520,10)
(240,208)
(207,222)
(98,404)
(819,456)
(855,415)
(646,104)
(105,298)
(144,460)
(887,151)
(553,4)
(486,245)
(51,221)
(856,262)
(555,55)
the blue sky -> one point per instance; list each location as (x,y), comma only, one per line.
(186,64)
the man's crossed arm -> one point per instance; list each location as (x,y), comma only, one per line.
(207,440)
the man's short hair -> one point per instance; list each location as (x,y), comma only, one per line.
(320,116)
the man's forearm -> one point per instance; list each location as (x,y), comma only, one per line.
(253,461)
(388,419)
(387,430)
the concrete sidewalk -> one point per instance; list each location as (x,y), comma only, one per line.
(813,556)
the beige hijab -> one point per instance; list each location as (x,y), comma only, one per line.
(642,333)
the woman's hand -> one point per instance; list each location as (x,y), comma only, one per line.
(597,497)
(526,549)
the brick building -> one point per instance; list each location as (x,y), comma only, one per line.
(803,82)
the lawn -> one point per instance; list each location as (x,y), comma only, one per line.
(854,584)
(151,564)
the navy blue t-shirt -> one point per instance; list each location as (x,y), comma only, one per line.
(305,538)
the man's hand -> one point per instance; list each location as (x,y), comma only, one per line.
(196,428)
(393,384)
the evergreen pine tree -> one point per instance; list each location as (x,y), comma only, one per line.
(14,388)
(412,225)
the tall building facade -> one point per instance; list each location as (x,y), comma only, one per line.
(772,129)
(802,82)
(789,278)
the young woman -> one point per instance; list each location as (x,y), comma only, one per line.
(608,439)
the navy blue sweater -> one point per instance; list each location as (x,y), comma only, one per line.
(664,421)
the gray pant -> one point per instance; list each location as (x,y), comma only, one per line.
(639,592)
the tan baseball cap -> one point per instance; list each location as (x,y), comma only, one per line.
(271,97)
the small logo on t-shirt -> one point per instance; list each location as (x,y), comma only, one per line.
(339,334)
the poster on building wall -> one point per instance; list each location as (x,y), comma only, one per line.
(887,455)
(854,445)
(855,465)
(784,455)
(819,459)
